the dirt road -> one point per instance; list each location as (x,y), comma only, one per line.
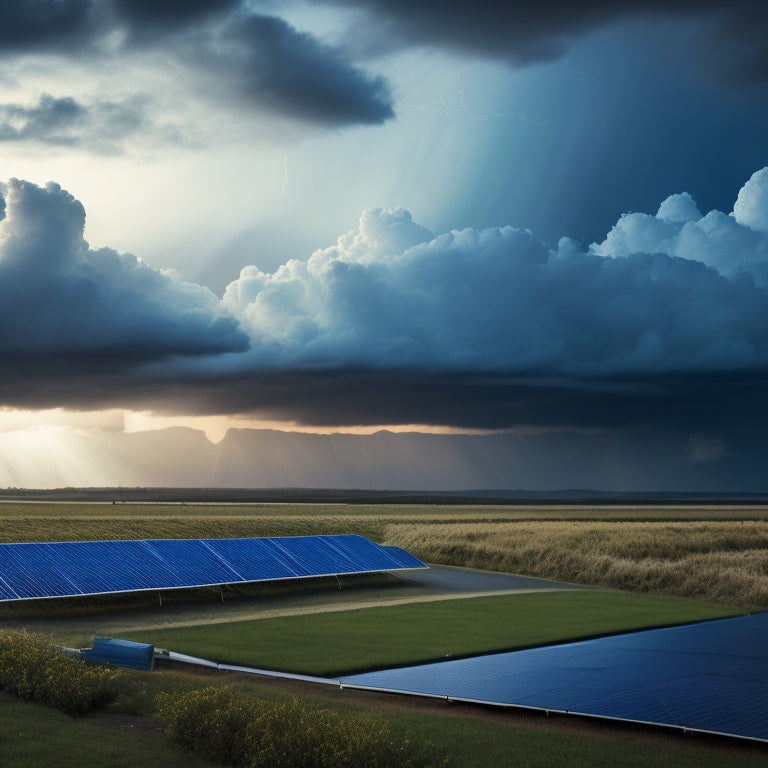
(423,586)
(418,586)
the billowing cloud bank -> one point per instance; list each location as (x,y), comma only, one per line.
(65,306)
(667,318)
(676,292)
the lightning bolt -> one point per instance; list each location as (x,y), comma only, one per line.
(284,185)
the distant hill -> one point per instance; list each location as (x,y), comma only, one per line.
(425,465)
(149,495)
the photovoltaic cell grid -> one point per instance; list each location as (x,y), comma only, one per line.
(711,677)
(68,569)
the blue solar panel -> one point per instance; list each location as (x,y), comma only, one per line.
(67,569)
(711,677)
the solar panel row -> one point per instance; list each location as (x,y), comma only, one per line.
(67,569)
(711,676)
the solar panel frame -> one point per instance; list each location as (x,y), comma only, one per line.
(42,570)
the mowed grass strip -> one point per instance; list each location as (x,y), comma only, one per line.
(343,642)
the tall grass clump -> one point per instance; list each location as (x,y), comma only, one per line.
(35,670)
(237,729)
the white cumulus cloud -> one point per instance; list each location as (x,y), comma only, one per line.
(751,208)
(671,292)
(733,244)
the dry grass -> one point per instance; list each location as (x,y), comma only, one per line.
(213,526)
(726,562)
(718,553)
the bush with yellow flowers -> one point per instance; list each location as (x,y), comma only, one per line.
(36,670)
(241,730)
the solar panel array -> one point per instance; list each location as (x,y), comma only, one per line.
(68,569)
(711,677)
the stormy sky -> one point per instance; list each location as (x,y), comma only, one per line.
(548,217)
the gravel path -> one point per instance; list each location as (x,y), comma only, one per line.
(418,586)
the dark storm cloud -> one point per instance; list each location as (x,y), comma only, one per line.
(723,406)
(35,24)
(736,43)
(524,33)
(66,309)
(259,60)
(276,66)
(31,24)
(664,322)
(147,14)
(725,403)
(222,49)
(262,62)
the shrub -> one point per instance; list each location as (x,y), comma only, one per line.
(36,670)
(242,730)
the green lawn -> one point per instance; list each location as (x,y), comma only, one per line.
(330,644)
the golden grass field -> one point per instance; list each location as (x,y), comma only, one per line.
(718,553)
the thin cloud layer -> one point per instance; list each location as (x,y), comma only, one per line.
(101,126)
(66,309)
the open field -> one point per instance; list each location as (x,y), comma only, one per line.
(532,540)
(391,512)
(717,553)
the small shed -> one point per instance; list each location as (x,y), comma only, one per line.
(120,653)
